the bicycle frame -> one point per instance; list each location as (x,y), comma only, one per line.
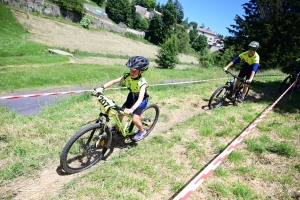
(113,111)
(231,84)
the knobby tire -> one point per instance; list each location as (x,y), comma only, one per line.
(87,147)
(218,98)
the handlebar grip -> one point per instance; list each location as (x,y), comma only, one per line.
(97,94)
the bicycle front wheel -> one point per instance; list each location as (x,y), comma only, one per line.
(218,98)
(286,83)
(85,148)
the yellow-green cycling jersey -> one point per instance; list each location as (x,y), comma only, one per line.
(250,63)
(134,85)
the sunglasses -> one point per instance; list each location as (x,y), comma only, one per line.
(252,48)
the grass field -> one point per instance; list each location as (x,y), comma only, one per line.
(187,137)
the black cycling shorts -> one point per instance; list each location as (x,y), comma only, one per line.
(130,101)
(244,73)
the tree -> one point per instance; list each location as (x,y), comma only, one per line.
(118,10)
(158,7)
(270,22)
(75,5)
(169,18)
(200,43)
(194,24)
(99,2)
(155,31)
(186,20)
(134,15)
(180,12)
(149,4)
(168,53)
(183,40)
(193,35)
(141,23)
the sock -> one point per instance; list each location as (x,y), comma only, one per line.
(243,95)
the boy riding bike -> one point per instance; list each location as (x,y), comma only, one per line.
(137,98)
(250,67)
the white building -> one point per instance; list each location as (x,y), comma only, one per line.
(214,42)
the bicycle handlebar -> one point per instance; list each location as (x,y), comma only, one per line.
(235,76)
(108,103)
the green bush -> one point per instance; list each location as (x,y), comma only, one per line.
(74,5)
(85,22)
(167,54)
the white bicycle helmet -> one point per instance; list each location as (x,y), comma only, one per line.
(253,45)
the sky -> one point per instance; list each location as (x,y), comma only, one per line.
(214,14)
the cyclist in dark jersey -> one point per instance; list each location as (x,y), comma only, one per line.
(297,62)
(296,70)
(249,68)
(137,98)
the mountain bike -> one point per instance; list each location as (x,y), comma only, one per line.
(288,81)
(225,93)
(90,144)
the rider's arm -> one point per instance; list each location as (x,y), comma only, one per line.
(140,99)
(110,83)
(229,65)
(251,77)
(255,67)
(235,60)
(295,61)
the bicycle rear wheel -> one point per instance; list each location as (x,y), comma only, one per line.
(85,148)
(218,98)
(286,83)
(149,119)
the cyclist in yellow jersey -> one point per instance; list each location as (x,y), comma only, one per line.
(250,66)
(137,98)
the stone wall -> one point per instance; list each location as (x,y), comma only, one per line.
(42,7)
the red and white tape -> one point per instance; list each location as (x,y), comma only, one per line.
(43,94)
(199,179)
(82,91)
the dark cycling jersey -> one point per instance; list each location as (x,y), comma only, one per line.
(250,63)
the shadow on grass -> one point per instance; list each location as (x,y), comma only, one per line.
(268,92)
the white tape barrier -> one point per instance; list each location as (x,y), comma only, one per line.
(121,88)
